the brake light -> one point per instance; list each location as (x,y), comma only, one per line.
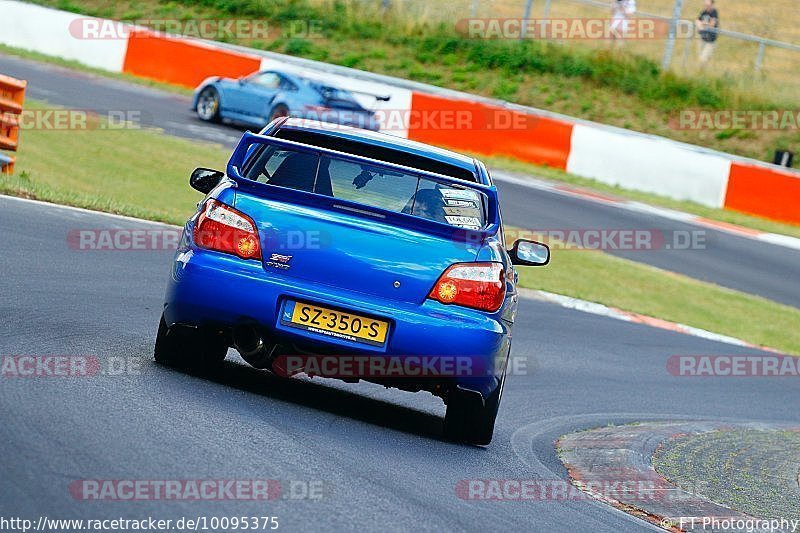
(317,108)
(224,229)
(476,285)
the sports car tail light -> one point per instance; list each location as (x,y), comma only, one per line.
(317,108)
(477,285)
(224,229)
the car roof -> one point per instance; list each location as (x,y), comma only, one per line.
(289,76)
(384,140)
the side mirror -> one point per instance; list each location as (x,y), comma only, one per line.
(529,253)
(205,179)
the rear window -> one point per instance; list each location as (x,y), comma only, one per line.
(332,93)
(381,153)
(370,185)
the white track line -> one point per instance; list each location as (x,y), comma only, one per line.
(40,203)
(627,316)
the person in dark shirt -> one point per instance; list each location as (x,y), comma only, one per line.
(707,24)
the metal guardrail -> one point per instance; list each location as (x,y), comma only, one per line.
(528,9)
(720,31)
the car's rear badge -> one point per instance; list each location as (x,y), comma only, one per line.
(279,261)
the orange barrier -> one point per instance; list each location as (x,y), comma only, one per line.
(764,191)
(9,131)
(489,130)
(182,61)
(12,94)
(12,97)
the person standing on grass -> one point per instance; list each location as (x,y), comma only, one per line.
(621,11)
(707,23)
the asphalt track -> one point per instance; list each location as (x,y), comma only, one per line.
(378,453)
(729,260)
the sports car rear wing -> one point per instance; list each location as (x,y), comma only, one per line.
(378,97)
(251,144)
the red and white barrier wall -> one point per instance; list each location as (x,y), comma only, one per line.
(51,32)
(648,163)
(610,155)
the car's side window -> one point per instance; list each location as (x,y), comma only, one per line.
(268,80)
(285,168)
(278,156)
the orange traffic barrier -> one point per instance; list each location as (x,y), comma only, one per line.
(12,97)
(182,61)
(489,129)
(764,191)
(12,94)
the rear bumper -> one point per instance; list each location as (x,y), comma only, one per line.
(212,289)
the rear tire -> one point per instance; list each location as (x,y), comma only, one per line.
(470,420)
(278,111)
(208,105)
(188,348)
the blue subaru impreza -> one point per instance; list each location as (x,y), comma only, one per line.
(345,253)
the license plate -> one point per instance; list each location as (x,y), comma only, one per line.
(333,323)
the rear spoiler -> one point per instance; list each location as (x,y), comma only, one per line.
(250,143)
(378,97)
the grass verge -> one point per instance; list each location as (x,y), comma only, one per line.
(141,173)
(144,174)
(631,286)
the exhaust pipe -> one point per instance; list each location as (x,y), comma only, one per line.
(252,347)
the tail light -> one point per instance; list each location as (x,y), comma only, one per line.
(224,229)
(477,285)
(318,111)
